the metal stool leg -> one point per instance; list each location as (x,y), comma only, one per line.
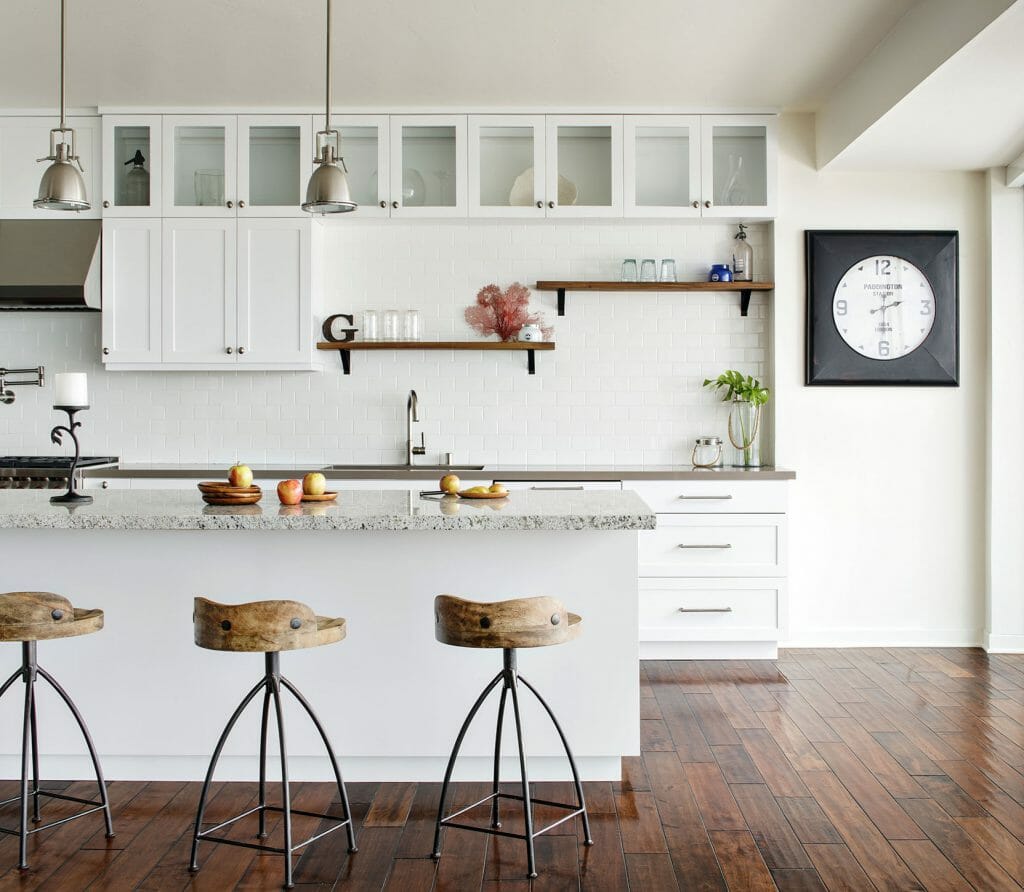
(26,734)
(495,822)
(193,862)
(104,799)
(455,752)
(510,667)
(34,728)
(346,811)
(262,834)
(588,840)
(286,797)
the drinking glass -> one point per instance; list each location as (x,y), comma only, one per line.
(411,325)
(391,325)
(668,270)
(628,270)
(209,187)
(647,271)
(370,322)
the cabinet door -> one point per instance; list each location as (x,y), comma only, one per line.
(131,290)
(200,165)
(364,146)
(661,165)
(738,166)
(584,166)
(275,160)
(22,141)
(506,166)
(428,166)
(199,303)
(130,188)
(275,318)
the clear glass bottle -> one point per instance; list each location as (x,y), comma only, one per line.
(742,257)
(745,434)
(136,181)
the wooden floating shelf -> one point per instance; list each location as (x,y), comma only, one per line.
(744,289)
(345,348)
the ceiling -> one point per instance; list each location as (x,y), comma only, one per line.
(782,54)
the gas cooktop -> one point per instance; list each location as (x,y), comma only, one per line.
(54,462)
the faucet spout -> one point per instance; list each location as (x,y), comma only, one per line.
(412,416)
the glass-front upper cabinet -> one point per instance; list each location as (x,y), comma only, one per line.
(506,166)
(739,166)
(200,165)
(131,165)
(584,166)
(364,146)
(275,160)
(428,166)
(661,166)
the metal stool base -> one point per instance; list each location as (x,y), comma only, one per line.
(29,671)
(510,678)
(271,684)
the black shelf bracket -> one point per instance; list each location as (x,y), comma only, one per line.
(346,361)
(531,365)
(744,301)
(561,301)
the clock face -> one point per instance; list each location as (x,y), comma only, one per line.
(883,307)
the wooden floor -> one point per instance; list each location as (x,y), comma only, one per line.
(829,769)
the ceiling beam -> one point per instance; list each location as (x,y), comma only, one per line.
(1015,173)
(929,34)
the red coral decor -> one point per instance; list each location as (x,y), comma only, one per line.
(504,313)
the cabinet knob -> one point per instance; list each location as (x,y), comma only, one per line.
(229,350)
(551,204)
(231,204)
(383,203)
(241,204)
(540,204)
(707,204)
(696,204)
(241,349)
(106,351)
(106,204)
(394,204)
(105,484)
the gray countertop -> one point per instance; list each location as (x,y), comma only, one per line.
(489,472)
(383,510)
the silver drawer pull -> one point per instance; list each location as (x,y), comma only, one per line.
(707,498)
(556,488)
(705,610)
(723,545)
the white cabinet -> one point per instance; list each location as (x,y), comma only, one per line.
(738,166)
(366,149)
(200,177)
(661,166)
(428,166)
(506,166)
(25,139)
(131,290)
(275,161)
(132,173)
(584,166)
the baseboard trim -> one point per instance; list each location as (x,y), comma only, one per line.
(1004,644)
(886,638)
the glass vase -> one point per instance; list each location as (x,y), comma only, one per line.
(745,434)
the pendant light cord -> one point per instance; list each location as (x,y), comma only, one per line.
(63,35)
(327,115)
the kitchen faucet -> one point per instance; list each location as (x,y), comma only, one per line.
(412,415)
(7,395)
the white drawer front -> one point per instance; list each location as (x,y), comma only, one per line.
(556,485)
(712,497)
(709,545)
(709,610)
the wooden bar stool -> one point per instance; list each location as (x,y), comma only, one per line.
(267,627)
(524,622)
(30,617)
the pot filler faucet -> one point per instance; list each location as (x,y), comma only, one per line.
(6,394)
(412,416)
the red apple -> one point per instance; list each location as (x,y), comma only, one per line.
(240,475)
(290,492)
(314,484)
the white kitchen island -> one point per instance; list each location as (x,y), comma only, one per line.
(392,698)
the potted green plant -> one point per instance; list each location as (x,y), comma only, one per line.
(747,396)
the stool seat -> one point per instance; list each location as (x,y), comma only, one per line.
(44,616)
(521,622)
(263,626)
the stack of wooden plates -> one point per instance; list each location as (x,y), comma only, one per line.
(215,493)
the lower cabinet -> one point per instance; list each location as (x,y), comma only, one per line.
(713,574)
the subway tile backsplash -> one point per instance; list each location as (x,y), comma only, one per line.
(622,387)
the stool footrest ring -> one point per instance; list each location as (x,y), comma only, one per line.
(206,835)
(573,810)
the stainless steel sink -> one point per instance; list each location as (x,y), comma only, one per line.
(390,468)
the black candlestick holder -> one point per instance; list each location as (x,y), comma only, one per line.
(56,435)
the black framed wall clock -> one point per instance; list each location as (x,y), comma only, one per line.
(882,308)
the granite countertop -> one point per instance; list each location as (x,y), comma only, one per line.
(489,472)
(383,510)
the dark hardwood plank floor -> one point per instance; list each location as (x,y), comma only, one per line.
(826,769)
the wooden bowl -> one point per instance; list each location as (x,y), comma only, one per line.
(323,497)
(218,486)
(237,498)
(465,494)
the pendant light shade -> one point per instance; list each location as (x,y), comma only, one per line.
(62,187)
(328,192)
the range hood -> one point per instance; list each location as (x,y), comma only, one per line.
(50,265)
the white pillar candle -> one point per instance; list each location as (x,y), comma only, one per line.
(71,388)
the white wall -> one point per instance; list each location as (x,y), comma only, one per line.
(888,515)
(622,387)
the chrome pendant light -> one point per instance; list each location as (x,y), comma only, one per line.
(62,187)
(328,192)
